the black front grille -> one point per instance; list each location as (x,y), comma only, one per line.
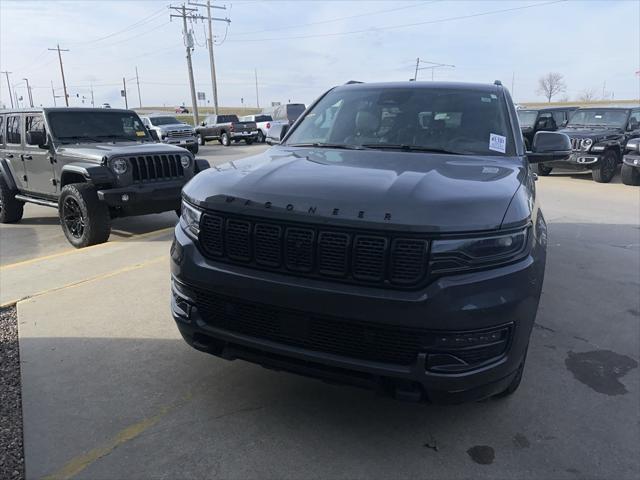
(315,251)
(576,143)
(152,168)
(338,336)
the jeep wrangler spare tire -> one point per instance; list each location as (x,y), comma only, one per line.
(85,220)
(10,209)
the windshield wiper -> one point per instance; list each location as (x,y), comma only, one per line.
(408,148)
(120,137)
(342,146)
(77,139)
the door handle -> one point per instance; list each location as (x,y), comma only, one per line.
(9,155)
(27,157)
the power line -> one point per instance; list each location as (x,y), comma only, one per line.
(322,22)
(405,25)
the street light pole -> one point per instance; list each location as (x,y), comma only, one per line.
(9,87)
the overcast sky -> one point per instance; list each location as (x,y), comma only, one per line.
(301,48)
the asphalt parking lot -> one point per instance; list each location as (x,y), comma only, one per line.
(110,390)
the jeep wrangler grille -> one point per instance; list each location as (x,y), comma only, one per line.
(346,255)
(153,168)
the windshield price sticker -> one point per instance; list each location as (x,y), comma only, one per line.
(139,134)
(497,143)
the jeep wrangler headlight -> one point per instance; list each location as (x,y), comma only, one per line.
(463,254)
(185,161)
(190,219)
(586,144)
(119,166)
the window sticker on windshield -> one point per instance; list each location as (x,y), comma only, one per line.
(597,116)
(497,143)
(485,99)
(140,134)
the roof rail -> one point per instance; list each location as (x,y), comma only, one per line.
(497,82)
(351,82)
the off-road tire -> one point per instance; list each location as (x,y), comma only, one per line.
(224,139)
(249,141)
(193,148)
(201,139)
(11,210)
(630,175)
(605,172)
(261,137)
(541,170)
(91,224)
(515,383)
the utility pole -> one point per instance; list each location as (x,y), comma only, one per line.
(188,41)
(53,93)
(415,75)
(257,98)
(138,83)
(9,87)
(29,92)
(124,84)
(64,83)
(210,19)
(90,86)
(432,66)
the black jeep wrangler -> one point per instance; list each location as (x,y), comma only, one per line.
(393,239)
(542,120)
(91,164)
(598,139)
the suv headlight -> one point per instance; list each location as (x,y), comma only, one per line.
(586,144)
(463,254)
(185,161)
(119,166)
(190,219)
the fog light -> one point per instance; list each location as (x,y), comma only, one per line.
(125,197)
(471,338)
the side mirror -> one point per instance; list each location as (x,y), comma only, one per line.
(633,125)
(548,146)
(564,123)
(633,145)
(37,138)
(203,123)
(283,132)
(154,135)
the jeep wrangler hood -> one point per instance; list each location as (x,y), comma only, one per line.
(402,190)
(96,151)
(591,132)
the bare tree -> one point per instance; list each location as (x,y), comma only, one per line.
(588,95)
(550,85)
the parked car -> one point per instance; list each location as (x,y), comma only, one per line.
(225,129)
(631,163)
(598,138)
(105,105)
(168,129)
(542,120)
(182,109)
(406,255)
(91,165)
(288,112)
(263,122)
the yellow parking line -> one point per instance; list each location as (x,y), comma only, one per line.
(78,250)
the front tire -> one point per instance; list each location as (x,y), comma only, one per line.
(604,172)
(261,137)
(224,139)
(201,139)
(84,218)
(630,175)
(249,141)
(542,170)
(11,210)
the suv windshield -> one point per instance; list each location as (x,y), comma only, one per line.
(157,121)
(449,120)
(598,117)
(95,126)
(527,117)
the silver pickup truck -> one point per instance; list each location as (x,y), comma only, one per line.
(170,130)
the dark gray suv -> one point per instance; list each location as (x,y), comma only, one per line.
(392,240)
(90,164)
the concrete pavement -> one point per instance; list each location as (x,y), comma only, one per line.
(111,391)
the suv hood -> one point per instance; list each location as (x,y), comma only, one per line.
(97,151)
(385,189)
(594,133)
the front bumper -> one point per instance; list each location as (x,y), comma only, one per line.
(181,142)
(632,160)
(479,301)
(578,160)
(143,199)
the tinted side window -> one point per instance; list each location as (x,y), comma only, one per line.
(13,130)
(559,117)
(34,123)
(1,130)
(635,115)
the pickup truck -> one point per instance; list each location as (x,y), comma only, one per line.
(226,128)
(263,122)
